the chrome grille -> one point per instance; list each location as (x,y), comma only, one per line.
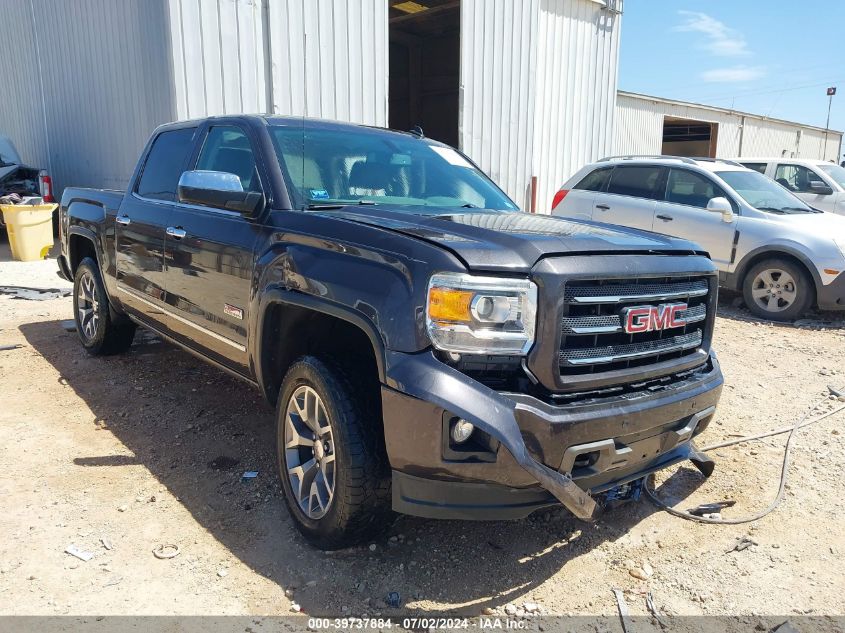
(609,324)
(593,340)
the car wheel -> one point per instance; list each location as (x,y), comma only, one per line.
(331,456)
(99,333)
(778,289)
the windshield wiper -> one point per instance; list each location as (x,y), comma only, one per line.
(312,206)
(773,210)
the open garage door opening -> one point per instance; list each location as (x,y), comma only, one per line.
(425,42)
(688,137)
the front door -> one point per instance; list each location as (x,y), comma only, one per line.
(141,222)
(684,214)
(630,197)
(209,257)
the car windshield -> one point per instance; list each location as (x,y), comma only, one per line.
(332,167)
(763,193)
(836,172)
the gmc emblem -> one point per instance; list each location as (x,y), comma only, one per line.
(651,318)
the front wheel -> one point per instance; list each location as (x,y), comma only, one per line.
(778,289)
(99,333)
(331,456)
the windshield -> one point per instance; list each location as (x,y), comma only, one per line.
(328,167)
(836,172)
(763,193)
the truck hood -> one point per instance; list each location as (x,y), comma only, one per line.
(497,240)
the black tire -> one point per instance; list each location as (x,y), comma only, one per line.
(804,291)
(104,335)
(360,506)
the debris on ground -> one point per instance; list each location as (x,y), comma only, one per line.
(35,294)
(68,325)
(167,550)
(295,607)
(742,544)
(106,543)
(250,474)
(711,508)
(394,600)
(652,609)
(113,581)
(6,348)
(624,613)
(73,550)
(785,627)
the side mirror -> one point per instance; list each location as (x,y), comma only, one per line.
(218,190)
(819,187)
(723,206)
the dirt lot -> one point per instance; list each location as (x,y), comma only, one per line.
(149,449)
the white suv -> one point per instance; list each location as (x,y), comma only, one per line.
(818,183)
(782,254)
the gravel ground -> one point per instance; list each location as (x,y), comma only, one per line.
(118,456)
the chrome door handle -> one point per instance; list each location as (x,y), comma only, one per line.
(665,218)
(603,207)
(176,232)
(122,220)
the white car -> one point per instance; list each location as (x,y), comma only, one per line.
(818,183)
(782,254)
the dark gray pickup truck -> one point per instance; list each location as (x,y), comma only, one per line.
(429,348)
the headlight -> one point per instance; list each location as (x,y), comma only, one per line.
(840,243)
(481,315)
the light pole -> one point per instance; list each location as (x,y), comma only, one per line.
(830,93)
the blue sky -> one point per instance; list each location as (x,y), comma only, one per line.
(773,58)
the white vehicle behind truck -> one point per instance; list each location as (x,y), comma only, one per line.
(783,255)
(819,183)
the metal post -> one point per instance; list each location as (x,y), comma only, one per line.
(830,92)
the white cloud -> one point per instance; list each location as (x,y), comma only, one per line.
(733,74)
(721,40)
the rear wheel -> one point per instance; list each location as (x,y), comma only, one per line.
(331,456)
(99,333)
(778,289)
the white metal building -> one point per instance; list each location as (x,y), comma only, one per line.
(526,88)
(652,125)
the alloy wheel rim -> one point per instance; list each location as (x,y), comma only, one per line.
(88,306)
(309,452)
(774,290)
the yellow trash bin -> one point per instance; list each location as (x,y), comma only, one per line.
(30,229)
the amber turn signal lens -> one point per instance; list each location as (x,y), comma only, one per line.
(448,304)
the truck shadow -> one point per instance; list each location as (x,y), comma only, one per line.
(197,430)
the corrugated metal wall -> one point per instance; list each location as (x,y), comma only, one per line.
(497,89)
(218,52)
(576,90)
(330,59)
(538,88)
(639,130)
(22,111)
(104,67)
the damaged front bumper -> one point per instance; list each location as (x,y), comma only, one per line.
(541,454)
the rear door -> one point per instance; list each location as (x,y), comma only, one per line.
(797,179)
(631,195)
(209,255)
(141,222)
(684,214)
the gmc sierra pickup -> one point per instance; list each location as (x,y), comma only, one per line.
(429,348)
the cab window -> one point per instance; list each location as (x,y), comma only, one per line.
(795,177)
(637,181)
(164,164)
(761,167)
(691,189)
(596,180)
(227,149)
